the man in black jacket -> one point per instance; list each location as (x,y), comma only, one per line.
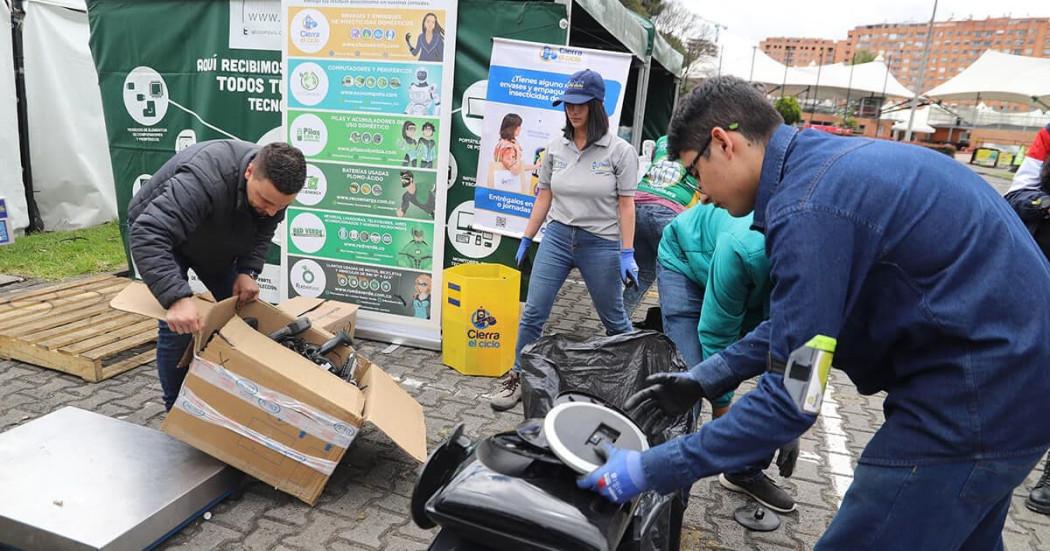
(212,207)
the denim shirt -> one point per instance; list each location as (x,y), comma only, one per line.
(933,288)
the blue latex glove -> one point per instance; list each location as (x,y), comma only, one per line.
(523,248)
(620,479)
(628,267)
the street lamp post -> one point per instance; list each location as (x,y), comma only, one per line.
(922,73)
(787,63)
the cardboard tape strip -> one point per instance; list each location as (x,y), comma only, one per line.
(193,405)
(276,404)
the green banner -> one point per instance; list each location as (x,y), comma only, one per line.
(380,191)
(534,21)
(387,290)
(352,237)
(218,77)
(366,83)
(365,138)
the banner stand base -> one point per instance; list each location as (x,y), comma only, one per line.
(374,330)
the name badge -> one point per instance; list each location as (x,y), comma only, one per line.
(601,168)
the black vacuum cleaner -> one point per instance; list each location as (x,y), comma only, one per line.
(517,489)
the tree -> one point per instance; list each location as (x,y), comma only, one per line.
(686,31)
(645,8)
(862,56)
(789,109)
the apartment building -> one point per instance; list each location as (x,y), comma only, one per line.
(954,46)
(799,52)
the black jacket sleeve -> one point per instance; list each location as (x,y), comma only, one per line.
(264,231)
(1031,205)
(161,227)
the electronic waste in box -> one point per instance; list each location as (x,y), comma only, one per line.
(264,409)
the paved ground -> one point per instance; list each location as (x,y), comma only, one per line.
(365,506)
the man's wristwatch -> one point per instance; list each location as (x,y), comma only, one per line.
(254,274)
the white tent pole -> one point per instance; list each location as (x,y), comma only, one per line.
(882,100)
(641,95)
(849,87)
(816,92)
(751,75)
(922,73)
(976,113)
(568,18)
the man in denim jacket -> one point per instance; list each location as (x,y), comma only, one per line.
(927,285)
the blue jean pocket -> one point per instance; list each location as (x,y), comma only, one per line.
(992,480)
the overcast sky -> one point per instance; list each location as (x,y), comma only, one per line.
(757,19)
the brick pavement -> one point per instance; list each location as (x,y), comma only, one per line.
(365,506)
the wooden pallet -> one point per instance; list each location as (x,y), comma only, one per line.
(71,327)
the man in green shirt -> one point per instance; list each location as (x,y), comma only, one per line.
(665,191)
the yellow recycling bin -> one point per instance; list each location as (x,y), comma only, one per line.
(479,318)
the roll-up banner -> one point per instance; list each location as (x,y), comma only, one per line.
(519,123)
(367,87)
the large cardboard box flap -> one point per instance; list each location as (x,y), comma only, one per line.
(137,299)
(394,412)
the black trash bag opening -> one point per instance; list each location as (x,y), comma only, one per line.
(612,369)
(609,368)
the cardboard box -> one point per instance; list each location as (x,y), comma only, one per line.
(331,315)
(266,410)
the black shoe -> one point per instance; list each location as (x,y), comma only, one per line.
(1039,498)
(761,488)
(653,321)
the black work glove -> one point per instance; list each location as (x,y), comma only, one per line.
(666,397)
(787,456)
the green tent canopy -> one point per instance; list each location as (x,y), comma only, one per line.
(655,70)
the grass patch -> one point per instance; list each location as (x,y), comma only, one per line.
(64,254)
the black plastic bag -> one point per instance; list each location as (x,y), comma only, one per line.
(612,369)
(609,368)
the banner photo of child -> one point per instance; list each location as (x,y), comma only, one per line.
(507,170)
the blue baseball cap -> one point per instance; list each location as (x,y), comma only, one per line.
(583,86)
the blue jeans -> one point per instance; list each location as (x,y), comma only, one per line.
(171,346)
(680,304)
(931,507)
(562,249)
(650,219)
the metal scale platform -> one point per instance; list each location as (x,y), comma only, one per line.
(73,479)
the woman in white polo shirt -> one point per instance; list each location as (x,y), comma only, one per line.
(586,194)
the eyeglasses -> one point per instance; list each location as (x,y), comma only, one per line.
(692,169)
